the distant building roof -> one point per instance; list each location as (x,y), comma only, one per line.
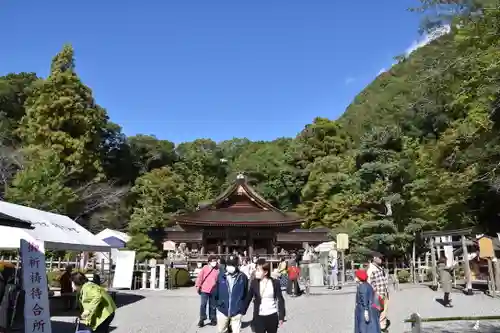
(239,205)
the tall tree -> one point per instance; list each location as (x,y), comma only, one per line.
(62,115)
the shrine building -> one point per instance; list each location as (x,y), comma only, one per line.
(242,220)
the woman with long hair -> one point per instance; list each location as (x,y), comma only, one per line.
(97,305)
(269,304)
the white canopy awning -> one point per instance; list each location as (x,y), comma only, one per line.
(58,232)
(325,247)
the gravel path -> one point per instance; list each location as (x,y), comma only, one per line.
(323,311)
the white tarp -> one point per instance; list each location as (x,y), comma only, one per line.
(58,232)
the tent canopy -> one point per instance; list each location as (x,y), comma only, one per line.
(325,247)
(113,233)
(114,242)
(58,232)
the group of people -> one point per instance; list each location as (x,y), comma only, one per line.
(372,298)
(228,289)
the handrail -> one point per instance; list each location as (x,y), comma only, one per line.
(416,321)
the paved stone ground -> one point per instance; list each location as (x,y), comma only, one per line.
(323,311)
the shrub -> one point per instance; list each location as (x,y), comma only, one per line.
(404,276)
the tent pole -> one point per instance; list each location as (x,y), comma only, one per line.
(110,269)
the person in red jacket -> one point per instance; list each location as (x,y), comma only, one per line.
(205,284)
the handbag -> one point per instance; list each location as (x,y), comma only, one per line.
(81,328)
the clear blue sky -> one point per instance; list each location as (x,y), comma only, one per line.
(188,69)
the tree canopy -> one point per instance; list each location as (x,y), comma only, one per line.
(417,149)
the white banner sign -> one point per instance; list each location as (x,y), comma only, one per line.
(124,269)
(36,306)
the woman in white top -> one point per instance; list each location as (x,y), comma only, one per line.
(269,305)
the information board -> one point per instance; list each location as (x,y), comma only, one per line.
(36,304)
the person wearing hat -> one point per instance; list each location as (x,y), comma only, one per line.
(366,313)
(230,293)
(380,283)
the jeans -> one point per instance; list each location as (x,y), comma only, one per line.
(207,299)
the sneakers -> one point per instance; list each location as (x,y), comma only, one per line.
(213,323)
(201,323)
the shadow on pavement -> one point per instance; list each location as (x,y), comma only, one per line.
(121,300)
(66,327)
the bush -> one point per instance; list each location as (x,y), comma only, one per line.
(178,277)
(404,276)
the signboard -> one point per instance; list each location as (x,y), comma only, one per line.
(486,248)
(124,269)
(342,241)
(36,305)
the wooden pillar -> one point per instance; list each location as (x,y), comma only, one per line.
(491,275)
(413,255)
(496,265)
(468,277)
(434,264)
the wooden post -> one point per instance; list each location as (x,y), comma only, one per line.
(416,324)
(496,265)
(342,277)
(468,277)
(491,275)
(434,264)
(413,255)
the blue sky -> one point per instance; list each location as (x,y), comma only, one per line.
(189,69)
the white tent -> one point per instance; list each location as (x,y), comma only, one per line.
(58,232)
(106,233)
(325,247)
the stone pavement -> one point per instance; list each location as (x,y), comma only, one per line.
(323,311)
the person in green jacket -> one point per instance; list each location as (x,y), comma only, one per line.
(98,306)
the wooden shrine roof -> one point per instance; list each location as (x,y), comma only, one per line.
(239,205)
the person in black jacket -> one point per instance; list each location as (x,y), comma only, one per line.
(269,304)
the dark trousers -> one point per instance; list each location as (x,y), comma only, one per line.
(207,299)
(104,327)
(266,324)
(446,298)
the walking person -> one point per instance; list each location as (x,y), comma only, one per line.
(446,280)
(230,293)
(269,304)
(283,273)
(97,305)
(366,313)
(377,277)
(334,271)
(205,284)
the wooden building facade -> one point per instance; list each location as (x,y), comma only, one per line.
(242,220)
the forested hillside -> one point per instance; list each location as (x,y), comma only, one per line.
(417,149)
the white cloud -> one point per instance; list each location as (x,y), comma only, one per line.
(427,38)
(349,80)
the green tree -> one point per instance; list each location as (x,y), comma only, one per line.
(42,183)
(62,115)
(161,193)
